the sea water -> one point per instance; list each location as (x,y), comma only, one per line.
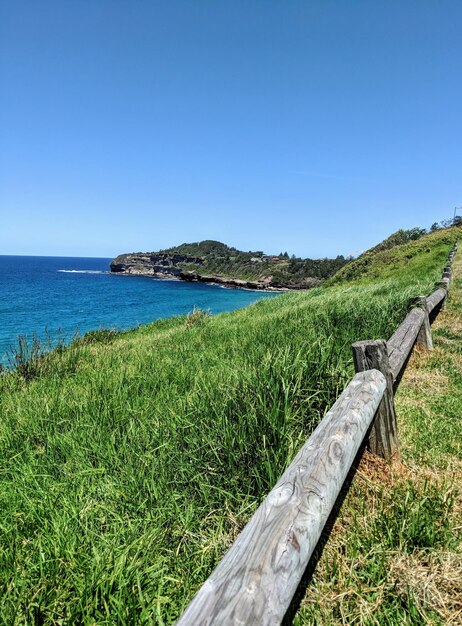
(55,296)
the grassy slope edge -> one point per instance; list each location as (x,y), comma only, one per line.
(395,554)
(129,462)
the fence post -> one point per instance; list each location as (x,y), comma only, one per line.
(383,436)
(424,338)
(442,284)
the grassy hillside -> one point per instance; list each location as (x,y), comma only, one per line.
(130,461)
(222,260)
(395,555)
(388,257)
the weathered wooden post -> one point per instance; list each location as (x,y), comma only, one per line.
(383,436)
(447,273)
(424,338)
(443,284)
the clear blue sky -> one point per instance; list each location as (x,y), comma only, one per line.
(315,126)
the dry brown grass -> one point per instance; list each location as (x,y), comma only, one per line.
(429,579)
(434,579)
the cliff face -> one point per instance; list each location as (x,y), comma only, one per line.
(215,262)
(170,265)
(159,264)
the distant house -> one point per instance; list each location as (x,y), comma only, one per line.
(275,258)
(256,259)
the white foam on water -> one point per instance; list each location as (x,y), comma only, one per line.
(81,271)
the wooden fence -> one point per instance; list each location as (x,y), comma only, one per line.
(257,578)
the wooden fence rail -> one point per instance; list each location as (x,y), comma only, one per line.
(435,299)
(400,344)
(256,580)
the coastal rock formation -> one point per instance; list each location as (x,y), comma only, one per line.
(214,262)
(166,265)
(237,283)
(160,264)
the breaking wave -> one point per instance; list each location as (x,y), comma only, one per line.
(82,271)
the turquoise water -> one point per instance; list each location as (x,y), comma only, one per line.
(56,295)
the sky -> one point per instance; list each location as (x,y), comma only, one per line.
(316,127)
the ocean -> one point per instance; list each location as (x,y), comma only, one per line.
(55,296)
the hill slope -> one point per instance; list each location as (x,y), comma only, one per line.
(213,261)
(383,259)
(131,460)
(395,554)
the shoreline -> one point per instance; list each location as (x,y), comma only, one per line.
(225,283)
(85,296)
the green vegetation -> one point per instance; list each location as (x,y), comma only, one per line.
(403,236)
(129,462)
(384,262)
(397,239)
(395,556)
(218,259)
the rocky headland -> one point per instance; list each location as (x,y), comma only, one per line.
(165,265)
(215,262)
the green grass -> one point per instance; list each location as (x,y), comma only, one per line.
(129,462)
(432,424)
(395,556)
(381,263)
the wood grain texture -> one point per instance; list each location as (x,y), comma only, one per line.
(383,436)
(257,578)
(400,344)
(443,284)
(435,298)
(424,337)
